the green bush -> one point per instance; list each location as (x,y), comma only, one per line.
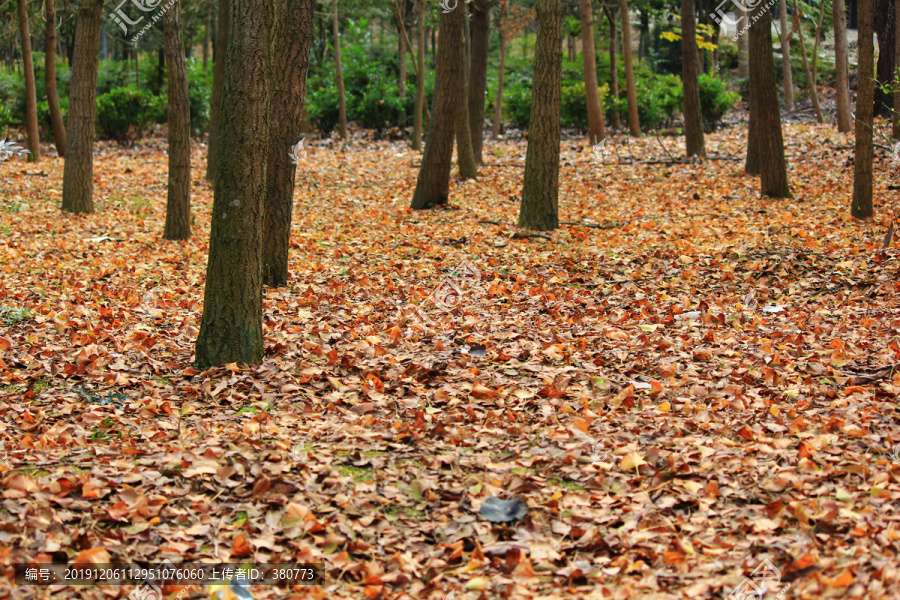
(199,95)
(5,120)
(715,99)
(43,112)
(125,113)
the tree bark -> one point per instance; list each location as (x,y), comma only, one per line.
(231,329)
(401,47)
(786,55)
(861,208)
(765,114)
(885,70)
(743,44)
(420,79)
(896,80)
(613,67)
(178,202)
(291,42)
(31,122)
(693,119)
(433,184)
(78,172)
(634,124)
(465,155)
(540,192)
(498,108)
(841,67)
(339,75)
(220,50)
(56,118)
(481,29)
(810,76)
(596,126)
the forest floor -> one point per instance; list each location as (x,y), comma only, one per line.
(690,382)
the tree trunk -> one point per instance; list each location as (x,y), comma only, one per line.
(231,329)
(743,42)
(220,50)
(897,61)
(433,184)
(693,119)
(481,29)
(31,123)
(420,79)
(78,172)
(596,126)
(401,46)
(339,75)
(841,67)
(810,77)
(634,124)
(540,192)
(613,67)
(786,55)
(885,70)
(498,108)
(292,40)
(56,118)
(764,107)
(465,154)
(178,203)
(209,20)
(861,207)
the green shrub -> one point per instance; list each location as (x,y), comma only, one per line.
(125,113)
(199,95)
(5,120)
(715,99)
(43,112)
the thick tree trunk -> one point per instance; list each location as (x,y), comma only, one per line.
(498,107)
(842,67)
(596,126)
(540,192)
(810,76)
(786,55)
(885,70)
(764,107)
(634,124)
(420,78)
(481,29)
(433,185)
(292,39)
(56,118)
(31,122)
(78,172)
(339,74)
(220,50)
(231,329)
(743,42)
(861,208)
(613,67)
(693,119)
(465,155)
(178,203)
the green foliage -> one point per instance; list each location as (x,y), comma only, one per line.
(5,119)
(199,95)
(124,113)
(715,99)
(43,113)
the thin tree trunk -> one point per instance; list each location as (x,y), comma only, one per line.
(31,122)
(596,126)
(78,172)
(764,107)
(540,192)
(420,79)
(813,93)
(896,131)
(56,118)
(481,29)
(339,75)
(231,329)
(842,67)
(292,39)
(401,47)
(178,204)
(465,155)
(504,39)
(433,184)
(223,31)
(634,124)
(693,119)
(861,208)
(786,32)
(209,19)
(743,42)
(613,67)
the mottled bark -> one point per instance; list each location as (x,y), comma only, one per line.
(291,43)
(861,207)
(743,42)
(220,50)
(634,124)
(178,202)
(842,67)
(596,126)
(31,122)
(693,119)
(433,184)
(339,74)
(420,78)
(231,329)
(78,172)
(786,55)
(56,119)
(465,155)
(540,192)
(478,63)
